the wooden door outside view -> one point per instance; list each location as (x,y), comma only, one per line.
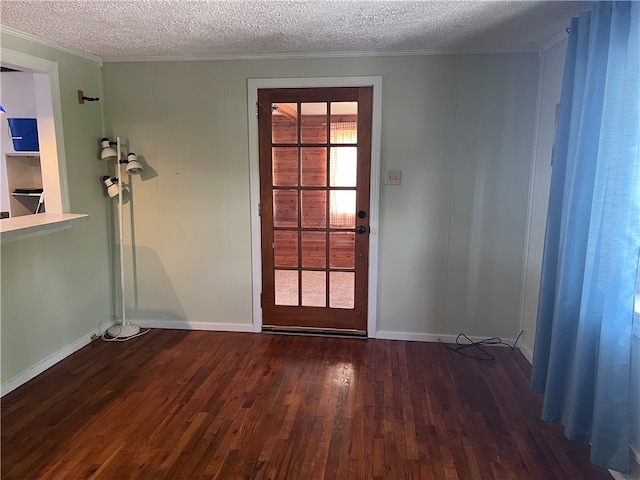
(315,162)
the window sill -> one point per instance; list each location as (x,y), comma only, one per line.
(26,226)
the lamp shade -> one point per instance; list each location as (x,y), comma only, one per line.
(108,151)
(112,186)
(133,166)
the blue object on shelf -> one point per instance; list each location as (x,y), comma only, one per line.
(24,133)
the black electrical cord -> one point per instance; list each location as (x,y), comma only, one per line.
(483,355)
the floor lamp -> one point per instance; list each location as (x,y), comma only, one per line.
(115,188)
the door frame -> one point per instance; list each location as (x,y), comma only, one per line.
(253,85)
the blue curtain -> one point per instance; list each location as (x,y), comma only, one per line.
(582,357)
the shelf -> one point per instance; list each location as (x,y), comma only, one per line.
(15,228)
(23,154)
(24,183)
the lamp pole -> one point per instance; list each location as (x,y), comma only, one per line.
(124,329)
(120,229)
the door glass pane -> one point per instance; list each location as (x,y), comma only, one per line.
(286,287)
(314,209)
(285,166)
(342,250)
(344,122)
(314,289)
(342,211)
(314,249)
(285,248)
(285,208)
(314,166)
(284,123)
(342,289)
(343,166)
(314,122)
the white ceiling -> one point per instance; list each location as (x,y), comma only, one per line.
(134,29)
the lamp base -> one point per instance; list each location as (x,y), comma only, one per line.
(123,331)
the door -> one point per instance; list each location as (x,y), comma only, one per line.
(315,168)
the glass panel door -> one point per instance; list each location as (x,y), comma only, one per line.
(316,186)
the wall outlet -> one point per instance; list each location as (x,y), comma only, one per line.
(393,177)
(94,336)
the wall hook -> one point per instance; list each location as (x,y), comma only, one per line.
(82,98)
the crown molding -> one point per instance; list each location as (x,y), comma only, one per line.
(552,43)
(284,56)
(46,43)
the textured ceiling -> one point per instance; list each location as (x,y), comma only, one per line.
(205,28)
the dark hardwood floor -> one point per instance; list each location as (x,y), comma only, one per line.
(203,405)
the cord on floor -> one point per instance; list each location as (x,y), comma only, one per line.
(483,354)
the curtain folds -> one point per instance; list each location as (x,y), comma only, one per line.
(582,357)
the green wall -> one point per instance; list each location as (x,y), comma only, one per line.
(57,287)
(452,236)
(552,65)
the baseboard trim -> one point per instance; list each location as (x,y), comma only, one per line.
(427,337)
(616,475)
(180,325)
(528,354)
(60,355)
(49,362)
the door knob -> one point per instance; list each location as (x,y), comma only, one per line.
(361,229)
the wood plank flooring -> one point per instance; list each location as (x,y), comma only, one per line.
(208,405)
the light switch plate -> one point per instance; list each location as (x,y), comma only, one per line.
(393,177)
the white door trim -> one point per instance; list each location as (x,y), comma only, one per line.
(254,169)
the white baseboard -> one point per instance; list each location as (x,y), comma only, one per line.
(181,325)
(617,475)
(621,476)
(49,362)
(427,337)
(528,354)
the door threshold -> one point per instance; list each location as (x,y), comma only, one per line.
(326,332)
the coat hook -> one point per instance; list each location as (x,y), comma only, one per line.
(82,98)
